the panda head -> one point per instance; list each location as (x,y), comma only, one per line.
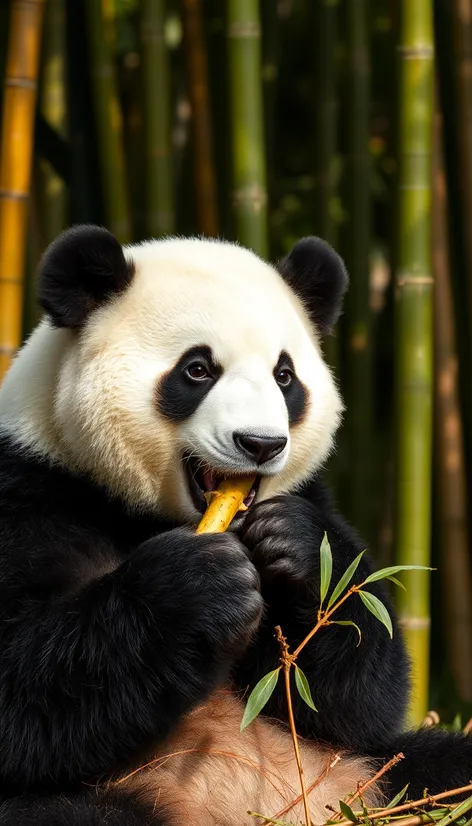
(164,366)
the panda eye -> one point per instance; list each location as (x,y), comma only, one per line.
(197,371)
(284,377)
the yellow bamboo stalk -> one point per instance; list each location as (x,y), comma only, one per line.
(19,100)
(224,504)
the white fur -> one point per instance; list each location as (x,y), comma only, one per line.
(88,399)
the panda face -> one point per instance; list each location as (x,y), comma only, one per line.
(204,363)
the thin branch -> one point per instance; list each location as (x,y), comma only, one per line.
(286,661)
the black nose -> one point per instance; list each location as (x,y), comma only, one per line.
(259,448)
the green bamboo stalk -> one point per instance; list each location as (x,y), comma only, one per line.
(325,21)
(326,118)
(159,178)
(270,73)
(197,78)
(356,250)
(247,128)
(52,192)
(414,335)
(453,526)
(108,121)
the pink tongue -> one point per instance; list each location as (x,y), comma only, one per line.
(209,480)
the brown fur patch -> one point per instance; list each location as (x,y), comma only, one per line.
(210,773)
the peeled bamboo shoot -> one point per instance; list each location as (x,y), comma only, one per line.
(224,504)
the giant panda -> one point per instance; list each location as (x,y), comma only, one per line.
(127,641)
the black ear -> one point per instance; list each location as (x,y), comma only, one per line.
(79,271)
(318,276)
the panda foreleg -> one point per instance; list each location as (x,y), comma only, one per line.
(434,761)
(360,690)
(127,655)
(90,808)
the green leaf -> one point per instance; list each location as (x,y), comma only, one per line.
(259,696)
(303,688)
(345,579)
(348,622)
(396,582)
(326,563)
(347,812)
(378,609)
(398,797)
(394,569)
(456,724)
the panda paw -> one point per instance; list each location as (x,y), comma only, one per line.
(204,585)
(283,539)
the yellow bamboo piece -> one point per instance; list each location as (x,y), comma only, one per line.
(19,101)
(225,504)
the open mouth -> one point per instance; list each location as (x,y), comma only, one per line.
(204,479)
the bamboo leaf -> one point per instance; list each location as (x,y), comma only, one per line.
(259,696)
(347,812)
(458,811)
(326,565)
(351,623)
(345,579)
(394,569)
(303,688)
(397,582)
(378,609)
(398,797)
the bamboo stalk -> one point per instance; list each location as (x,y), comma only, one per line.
(356,249)
(247,128)
(414,335)
(325,19)
(52,193)
(270,18)
(108,122)
(159,178)
(15,166)
(456,579)
(461,11)
(197,77)
(326,118)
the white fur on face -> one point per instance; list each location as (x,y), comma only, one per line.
(96,408)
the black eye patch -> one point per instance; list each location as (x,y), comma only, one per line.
(183,388)
(295,393)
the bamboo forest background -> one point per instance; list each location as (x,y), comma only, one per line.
(262,122)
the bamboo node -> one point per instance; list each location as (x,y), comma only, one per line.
(247,29)
(21,82)
(414,623)
(254,194)
(13,194)
(421,51)
(405,280)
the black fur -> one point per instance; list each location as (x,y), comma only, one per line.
(113,625)
(82,809)
(295,394)
(79,271)
(178,396)
(317,275)
(96,667)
